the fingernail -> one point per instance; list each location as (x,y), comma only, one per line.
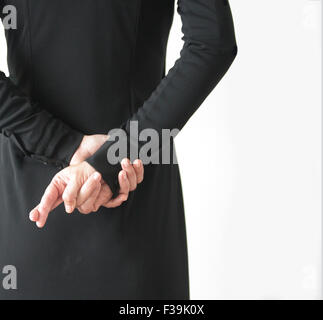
(124,176)
(96,176)
(68,209)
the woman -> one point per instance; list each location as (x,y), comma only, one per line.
(79,68)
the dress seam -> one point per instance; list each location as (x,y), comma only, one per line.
(132,64)
(32,72)
(30,48)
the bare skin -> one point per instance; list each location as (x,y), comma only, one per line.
(80,187)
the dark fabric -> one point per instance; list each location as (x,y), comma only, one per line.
(84,67)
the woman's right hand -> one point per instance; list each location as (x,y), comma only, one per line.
(131,175)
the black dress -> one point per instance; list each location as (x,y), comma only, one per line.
(85,67)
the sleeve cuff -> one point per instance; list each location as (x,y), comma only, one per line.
(109,172)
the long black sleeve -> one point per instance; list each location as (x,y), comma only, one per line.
(209,50)
(36,132)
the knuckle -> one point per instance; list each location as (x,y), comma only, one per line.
(43,205)
(43,209)
(48,198)
(83,210)
(87,210)
(67,197)
(56,178)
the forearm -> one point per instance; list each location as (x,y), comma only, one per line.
(36,132)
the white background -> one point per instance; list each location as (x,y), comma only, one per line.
(253,212)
